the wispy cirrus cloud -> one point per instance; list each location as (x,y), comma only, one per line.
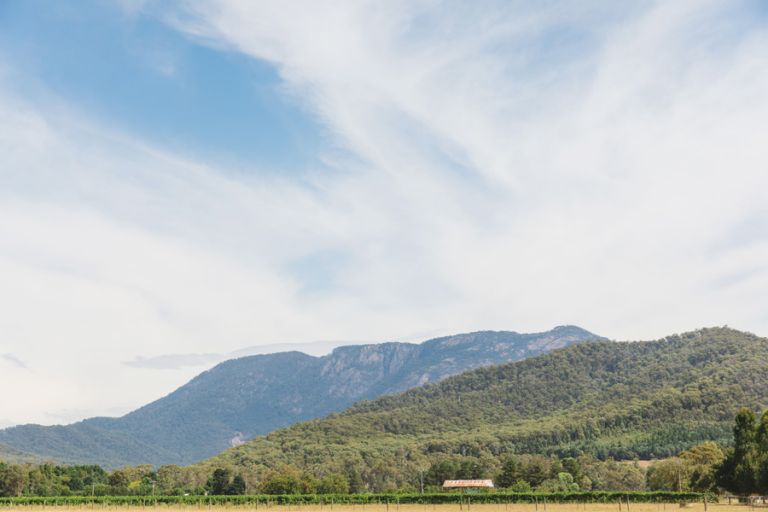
(13,360)
(545,159)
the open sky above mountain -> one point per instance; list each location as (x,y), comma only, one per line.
(198,177)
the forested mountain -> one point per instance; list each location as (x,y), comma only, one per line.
(244,397)
(623,400)
(9,454)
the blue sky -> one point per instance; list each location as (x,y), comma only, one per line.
(134,73)
(180,180)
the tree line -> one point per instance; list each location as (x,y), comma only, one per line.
(745,467)
(707,467)
(522,473)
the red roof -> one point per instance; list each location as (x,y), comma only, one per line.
(468,483)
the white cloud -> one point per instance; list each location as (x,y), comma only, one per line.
(518,167)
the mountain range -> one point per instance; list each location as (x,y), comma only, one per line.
(251,396)
(609,399)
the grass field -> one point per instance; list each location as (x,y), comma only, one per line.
(518,507)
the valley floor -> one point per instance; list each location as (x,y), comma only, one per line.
(517,507)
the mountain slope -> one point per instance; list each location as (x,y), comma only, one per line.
(639,399)
(8,454)
(257,394)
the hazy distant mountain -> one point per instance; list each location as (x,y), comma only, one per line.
(9,454)
(245,397)
(623,400)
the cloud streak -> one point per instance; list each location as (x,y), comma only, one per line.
(15,361)
(176,361)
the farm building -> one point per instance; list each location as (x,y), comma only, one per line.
(467,484)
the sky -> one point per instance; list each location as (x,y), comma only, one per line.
(186,181)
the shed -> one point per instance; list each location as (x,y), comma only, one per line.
(467,484)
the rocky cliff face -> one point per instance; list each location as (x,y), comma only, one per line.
(253,395)
(352,371)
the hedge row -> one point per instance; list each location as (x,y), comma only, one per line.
(327,499)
